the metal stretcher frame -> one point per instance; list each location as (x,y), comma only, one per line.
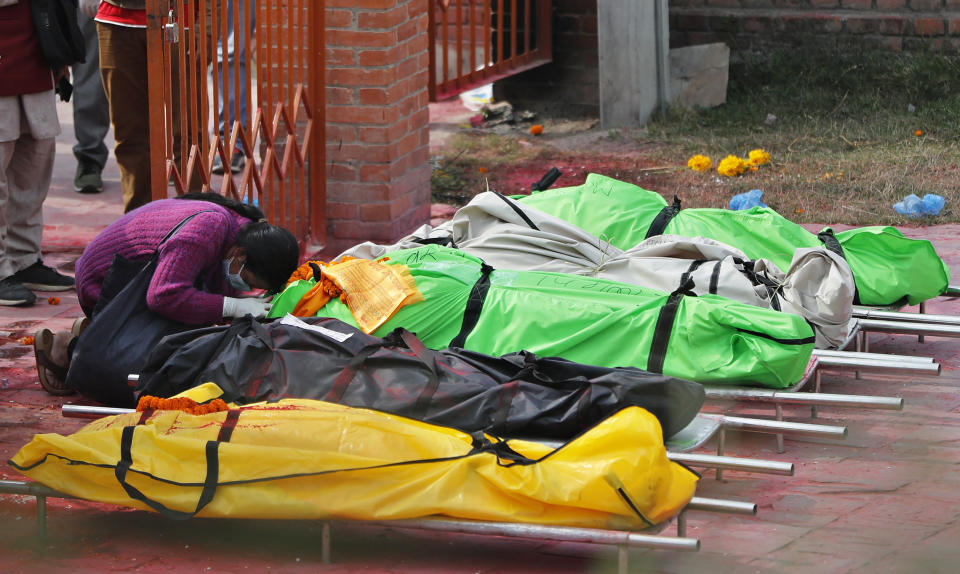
(820,359)
(622,539)
(697,433)
(869,319)
(889,319)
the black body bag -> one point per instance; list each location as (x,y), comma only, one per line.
(518,394)
(58,32)
(122,332)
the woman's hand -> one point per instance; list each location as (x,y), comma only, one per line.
(233,307)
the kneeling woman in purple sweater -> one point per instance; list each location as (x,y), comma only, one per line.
(225,249)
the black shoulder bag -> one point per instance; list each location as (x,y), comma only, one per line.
(122,332)
(61,41)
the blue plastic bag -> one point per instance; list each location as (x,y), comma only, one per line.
(914,207)
(747,200)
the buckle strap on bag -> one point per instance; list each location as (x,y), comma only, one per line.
(213,466)
(428,358)
(513,205)
(663,218)
(183,222)
(209,483)
(664,327)
(471,314)
(831,242)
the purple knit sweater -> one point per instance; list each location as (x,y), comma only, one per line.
(196,250)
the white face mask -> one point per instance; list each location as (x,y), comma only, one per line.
(236,281)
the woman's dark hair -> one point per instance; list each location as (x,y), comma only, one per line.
(273,253)
(251,212)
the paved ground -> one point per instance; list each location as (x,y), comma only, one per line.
(883,500)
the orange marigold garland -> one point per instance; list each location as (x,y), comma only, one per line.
(187,405)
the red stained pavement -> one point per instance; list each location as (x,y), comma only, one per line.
(886,499)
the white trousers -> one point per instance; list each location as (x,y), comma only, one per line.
(26,167)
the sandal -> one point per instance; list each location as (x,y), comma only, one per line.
(79,325)
(52,376)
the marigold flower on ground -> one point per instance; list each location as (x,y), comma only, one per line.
(758,157)
(732,166)
(536,129)
(53,300)
(699,163)
(918,133)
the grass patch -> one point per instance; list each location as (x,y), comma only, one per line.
(844,141)
(464,169)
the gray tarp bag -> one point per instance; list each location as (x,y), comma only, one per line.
(509,235)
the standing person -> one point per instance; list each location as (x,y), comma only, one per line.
(28,130)
(122,31)
(231,106)
(224,249)
(91,110)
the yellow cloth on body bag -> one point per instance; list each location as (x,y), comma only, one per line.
(374,291)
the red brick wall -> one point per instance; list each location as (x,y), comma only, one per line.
(760,24)
(571,83)
(378,174)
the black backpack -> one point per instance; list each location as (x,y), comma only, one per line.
(55,22)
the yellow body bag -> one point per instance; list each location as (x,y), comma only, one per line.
(310,459)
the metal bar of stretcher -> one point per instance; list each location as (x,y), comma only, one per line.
(868,364)
(952,291)
(794,398)
(874,356)
(782,427)
(909,328)
(534,531)
(553,533)
(733,463)
(880,314)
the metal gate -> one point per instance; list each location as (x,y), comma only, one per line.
(476,42)
(276,119)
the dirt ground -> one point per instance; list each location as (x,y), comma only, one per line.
(576,147)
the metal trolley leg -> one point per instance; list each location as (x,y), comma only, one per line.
(721,446)
(923,310)
(779,409)
(325,543)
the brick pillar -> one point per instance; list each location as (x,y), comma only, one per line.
(378,176)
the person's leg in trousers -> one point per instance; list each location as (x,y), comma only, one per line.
(7,149)
(123,66)
(91,111)
(28,182)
